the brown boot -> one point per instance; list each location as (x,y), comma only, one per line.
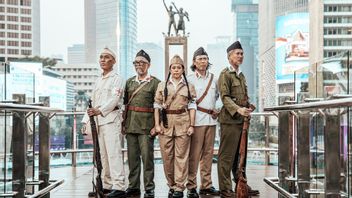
(227,194)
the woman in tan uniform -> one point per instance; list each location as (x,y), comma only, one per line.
(175,100)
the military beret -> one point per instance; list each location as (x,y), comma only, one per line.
(235,45)
(143,54)
(106,50)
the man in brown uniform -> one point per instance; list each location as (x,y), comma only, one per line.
(138,100)
(234,95)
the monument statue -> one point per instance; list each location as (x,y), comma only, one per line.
(171,14)
(181,22)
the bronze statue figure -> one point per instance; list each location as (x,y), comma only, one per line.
(171,14)
(181,22)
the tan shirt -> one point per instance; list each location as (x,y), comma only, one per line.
(178,124)
(107,95)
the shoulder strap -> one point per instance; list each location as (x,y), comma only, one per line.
(174,96)
(206,90)
(136,91)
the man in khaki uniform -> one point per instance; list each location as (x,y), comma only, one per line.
(202,141)
(176,99)
(107,101)
(234,95)
(139,98)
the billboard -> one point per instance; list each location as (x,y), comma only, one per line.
(292,47)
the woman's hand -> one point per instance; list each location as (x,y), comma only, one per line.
(158,129)
(190,130)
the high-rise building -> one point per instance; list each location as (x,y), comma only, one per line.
(76,54)
(246,31)
(113,24)
(217,54)
(156,54)
(268,13)
(19,28)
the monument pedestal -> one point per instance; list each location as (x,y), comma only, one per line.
(175,40)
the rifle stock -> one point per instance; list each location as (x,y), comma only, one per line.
(98,185)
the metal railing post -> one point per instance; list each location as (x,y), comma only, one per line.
(74,141)
(303,155)
(267,140)
(19,149)
(44,146)
(332,156)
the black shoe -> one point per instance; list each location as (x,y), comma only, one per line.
(171,193)
(117,194)
(177,194)
(149,194)
(209,191)
(192,193)
(106,191)
(131,192)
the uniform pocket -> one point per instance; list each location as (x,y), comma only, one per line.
(236,87)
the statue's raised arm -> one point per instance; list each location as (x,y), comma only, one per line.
(165,6)
(175,7)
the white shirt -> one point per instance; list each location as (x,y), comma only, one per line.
(107,95)
(200,83)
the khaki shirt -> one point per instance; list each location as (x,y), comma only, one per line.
(234,95)
(140,122)
(178,124)
(107,96)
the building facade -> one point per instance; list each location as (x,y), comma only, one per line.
(76,54)
(113,24)
(19,29)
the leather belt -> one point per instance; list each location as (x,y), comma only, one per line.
(140,109)
(176,111)
(208,111)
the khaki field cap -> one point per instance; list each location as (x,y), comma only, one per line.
(108,51)
(176,60)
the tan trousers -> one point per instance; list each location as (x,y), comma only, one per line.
(175,153)
(113,173)
(201,152)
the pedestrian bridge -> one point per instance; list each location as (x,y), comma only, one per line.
(294,150)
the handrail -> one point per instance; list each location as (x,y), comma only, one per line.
(28,108)
(335,103)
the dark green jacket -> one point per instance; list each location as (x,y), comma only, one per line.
(234,94)
(140,122)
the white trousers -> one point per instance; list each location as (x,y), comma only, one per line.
(113,173)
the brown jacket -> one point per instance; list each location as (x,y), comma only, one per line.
(179,122)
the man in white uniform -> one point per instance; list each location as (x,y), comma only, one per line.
(107,99)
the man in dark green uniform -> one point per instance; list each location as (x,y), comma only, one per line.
(139,125)
(234,95)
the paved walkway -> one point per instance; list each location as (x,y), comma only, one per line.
(78,181)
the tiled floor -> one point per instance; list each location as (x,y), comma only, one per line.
(78,181)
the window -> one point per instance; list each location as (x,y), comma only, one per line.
(2,18)
(26,44)
(26,36)
(26,11)
(12,43)
(12,18)
(2,51)
(2,43)
(12,35)
(2,9)
(26,2)
(2,1)
(2,26)
(12,2)
(26,19)
(12,51)
(26,52)
(2,34)
(26,27)
(12,10)
(12,26)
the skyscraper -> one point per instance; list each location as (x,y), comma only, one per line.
(19,28)
(113,24)
(76,54)
(246,31)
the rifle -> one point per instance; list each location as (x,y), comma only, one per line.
(242,187)
(98,185)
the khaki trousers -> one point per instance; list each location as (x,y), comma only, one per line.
(201,152)
(113,173)
(175,154)
(230,135)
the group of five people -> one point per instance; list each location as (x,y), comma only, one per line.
(182,112)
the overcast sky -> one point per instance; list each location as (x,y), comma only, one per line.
(62,22)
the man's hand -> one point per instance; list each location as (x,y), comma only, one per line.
(244,111)
(153,133)
(190,131)
(93,111)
